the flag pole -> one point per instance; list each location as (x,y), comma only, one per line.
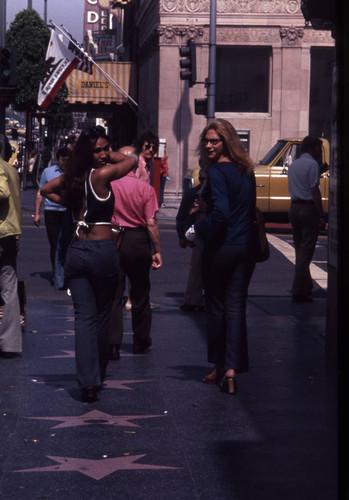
(116,87)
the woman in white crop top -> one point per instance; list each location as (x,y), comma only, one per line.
(92,260)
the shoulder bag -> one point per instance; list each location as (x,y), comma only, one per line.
(260,242)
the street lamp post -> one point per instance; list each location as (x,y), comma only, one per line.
(2,44)
(211,84)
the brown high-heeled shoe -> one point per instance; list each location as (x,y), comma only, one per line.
(213,377)
(228,385)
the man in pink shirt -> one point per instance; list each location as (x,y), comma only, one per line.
(135,210)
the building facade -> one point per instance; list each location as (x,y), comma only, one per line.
(273,74)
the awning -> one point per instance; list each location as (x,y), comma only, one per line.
(96,88)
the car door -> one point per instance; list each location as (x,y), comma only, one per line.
(262,174)
(279,195)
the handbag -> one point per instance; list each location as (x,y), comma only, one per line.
(260,243)
(261,248)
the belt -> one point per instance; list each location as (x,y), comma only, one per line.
(303,202)
(139,228)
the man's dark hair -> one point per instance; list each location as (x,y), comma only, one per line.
(8,149)
(63,152)
(148,137)
(310,144)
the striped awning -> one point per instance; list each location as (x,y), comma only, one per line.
(98,89)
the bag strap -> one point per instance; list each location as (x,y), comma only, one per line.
(254,200)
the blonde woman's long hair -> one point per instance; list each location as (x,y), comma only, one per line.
(233,147)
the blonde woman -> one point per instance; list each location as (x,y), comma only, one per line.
(228,263)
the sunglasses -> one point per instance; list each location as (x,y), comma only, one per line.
(148,146)
(214,142)
(99,150)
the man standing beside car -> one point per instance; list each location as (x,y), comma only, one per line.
(306,214)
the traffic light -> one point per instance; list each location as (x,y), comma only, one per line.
(7,67)
(200,106)
(188,62)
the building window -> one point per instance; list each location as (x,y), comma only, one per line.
(321,104)
(242,79)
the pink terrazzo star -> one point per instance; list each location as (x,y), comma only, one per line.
(96,417)
(65,318)
(122,384)
(68,354)
(68,333)
(97,469)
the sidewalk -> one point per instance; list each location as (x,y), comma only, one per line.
(157,432)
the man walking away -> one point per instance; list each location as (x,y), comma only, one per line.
(54,213)
(306,214)
(135,210)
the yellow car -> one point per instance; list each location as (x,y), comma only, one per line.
(272,180)
(191,178)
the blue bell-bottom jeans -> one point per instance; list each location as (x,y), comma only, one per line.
(91,269)
(227,273)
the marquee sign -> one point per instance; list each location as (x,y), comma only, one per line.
(99,14)
(97,89)
(119,3)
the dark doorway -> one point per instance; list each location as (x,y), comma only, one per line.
(322,61)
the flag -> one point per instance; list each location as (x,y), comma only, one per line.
(85,61)
(59,63)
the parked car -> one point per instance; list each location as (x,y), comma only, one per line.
(271,176)
(191,178)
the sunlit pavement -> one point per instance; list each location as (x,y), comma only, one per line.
(158,432)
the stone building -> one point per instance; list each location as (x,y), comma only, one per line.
(273,74)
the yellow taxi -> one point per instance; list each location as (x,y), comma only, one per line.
(272,180)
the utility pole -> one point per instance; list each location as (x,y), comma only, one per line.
(2,44)
(211,84)
(45,11)
(30,4)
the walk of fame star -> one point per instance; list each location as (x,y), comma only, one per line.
(68,354)
(122,384)
(97,469)
(65,318)
(67,334)
(96,417)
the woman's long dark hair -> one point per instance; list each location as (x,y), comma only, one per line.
(79,166)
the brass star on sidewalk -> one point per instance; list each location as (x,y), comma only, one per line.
(96,469)
(122,384)
(96,417)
